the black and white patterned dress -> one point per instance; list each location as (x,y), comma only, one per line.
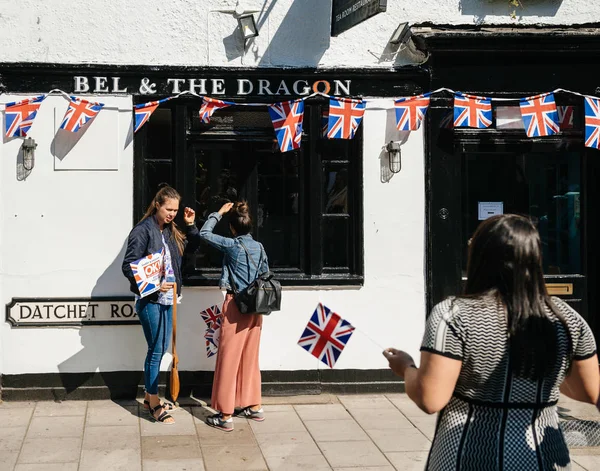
(495,420)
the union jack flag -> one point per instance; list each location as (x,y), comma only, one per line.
(345,116)
(410,112)
(592,122)
(287,120)
(79,112)
(143,112)
(211,337)
(19,116)
(565,116)
(209,106)
(540,115)
(212,316)
(326,335)
(472,111)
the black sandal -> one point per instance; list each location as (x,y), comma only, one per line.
(162,417)
(165,405)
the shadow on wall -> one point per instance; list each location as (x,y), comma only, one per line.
(480,9)
(105,349)
(305,41)
(391,134)
(105,345)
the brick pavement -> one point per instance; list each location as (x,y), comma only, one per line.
(342,433)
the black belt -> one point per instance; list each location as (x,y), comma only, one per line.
(229,292)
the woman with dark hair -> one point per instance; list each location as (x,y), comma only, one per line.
(158,232)
(237,379)
(494,361)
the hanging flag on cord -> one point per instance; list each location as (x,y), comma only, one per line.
(326,335)
(345,115)
(592,122)
(143,112)
(19,116)
(211,316)
(79,112)
(211,336)
(287,120)
(472,111)
(565,116)
(410,112)
(209,106)
(540,115)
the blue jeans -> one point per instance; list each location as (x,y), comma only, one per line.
(157,322)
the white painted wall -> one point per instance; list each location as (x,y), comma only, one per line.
(63,235)
(293,33)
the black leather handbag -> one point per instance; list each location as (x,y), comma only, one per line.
(262,296)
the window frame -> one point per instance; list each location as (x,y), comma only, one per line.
(311,242)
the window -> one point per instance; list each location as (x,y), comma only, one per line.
(306,204)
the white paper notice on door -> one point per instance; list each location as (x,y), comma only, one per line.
(487,209)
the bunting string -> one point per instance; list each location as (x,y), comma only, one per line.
(540,114)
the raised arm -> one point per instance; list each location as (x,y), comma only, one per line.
(206,233)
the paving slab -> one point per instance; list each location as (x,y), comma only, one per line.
(406,440)
(287,444)
(50,427)
(15,416)
(408,461)
(322,412)
(111,415)
(301,399)
(173,465)
(50,450)
(406,405)
(111,437)
(171,447)
(367,468)
(298,463)
(353,454)
(8,458)
(381,419)
(277,422)
(336,430)
(426,425)
(233,458)
(11,438)
(113,460)
(60,409)
(48,467)
(365,401)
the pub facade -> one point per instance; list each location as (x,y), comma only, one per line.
(344,222)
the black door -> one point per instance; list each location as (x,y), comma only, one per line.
(475,174)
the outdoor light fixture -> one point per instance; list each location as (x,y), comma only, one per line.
(394,156)
(28,149)
(248,26)
(401,35)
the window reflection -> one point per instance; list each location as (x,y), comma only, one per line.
(336,191)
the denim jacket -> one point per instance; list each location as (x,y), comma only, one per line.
(235,259)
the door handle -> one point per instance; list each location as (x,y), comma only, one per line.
(559,289)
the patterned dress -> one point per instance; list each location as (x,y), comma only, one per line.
(495,420)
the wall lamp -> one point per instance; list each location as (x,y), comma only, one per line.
(28,149)
(394,156)
(248,26)
(401,35)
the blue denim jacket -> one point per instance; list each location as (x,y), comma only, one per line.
(235,258)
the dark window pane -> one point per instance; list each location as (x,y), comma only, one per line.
(268,180)
(156,173)
(279,207)
(335,190)
(158,130)
(544,186)
(336,241)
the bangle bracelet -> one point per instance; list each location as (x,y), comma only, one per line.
(190,224)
